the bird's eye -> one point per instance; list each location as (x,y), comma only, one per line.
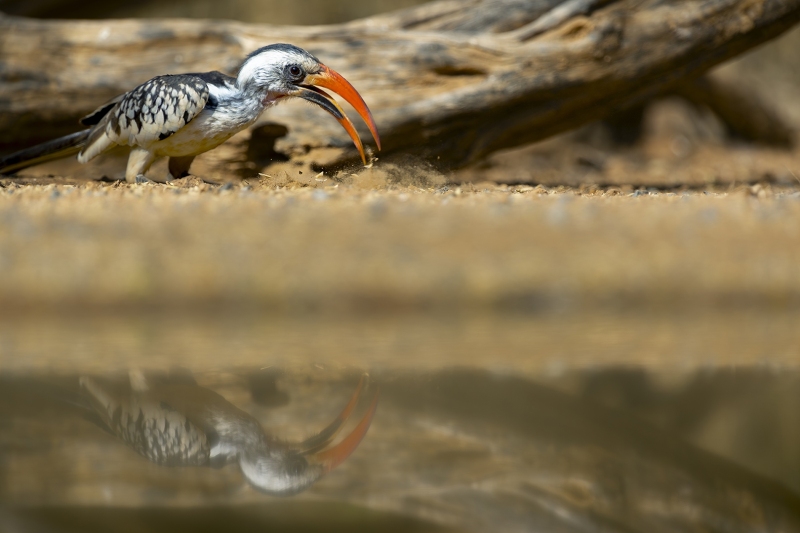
(295,71)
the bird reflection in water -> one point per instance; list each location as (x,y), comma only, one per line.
(182,424)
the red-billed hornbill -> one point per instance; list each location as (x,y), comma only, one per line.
(183,424)
(181,116)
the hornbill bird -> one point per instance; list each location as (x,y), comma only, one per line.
(183,115)
(175,423)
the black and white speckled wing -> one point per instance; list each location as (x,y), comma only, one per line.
(151,427)
(151,112)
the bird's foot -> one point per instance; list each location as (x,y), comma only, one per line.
(141,178)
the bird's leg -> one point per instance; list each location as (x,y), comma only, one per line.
(179,166)
(138,163)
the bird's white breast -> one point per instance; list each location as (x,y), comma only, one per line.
(214,125)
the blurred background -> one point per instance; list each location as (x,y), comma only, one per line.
(634,351)
(307,12)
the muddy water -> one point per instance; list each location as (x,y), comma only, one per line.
(548,421)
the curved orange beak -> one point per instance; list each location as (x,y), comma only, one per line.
(324,437)
(316,447)
(327,78)
(334,456)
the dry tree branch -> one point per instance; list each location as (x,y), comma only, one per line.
(453,80)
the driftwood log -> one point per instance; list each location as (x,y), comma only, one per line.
(452,80)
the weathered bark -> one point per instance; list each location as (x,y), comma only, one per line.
(453,80)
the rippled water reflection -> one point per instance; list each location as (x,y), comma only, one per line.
(518,423)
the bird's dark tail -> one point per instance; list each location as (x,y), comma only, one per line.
(56,149)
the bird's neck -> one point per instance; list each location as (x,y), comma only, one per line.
(255,94)
(237,106)
(236,433)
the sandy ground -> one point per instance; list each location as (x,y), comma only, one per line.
(403,269)
(390,237)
